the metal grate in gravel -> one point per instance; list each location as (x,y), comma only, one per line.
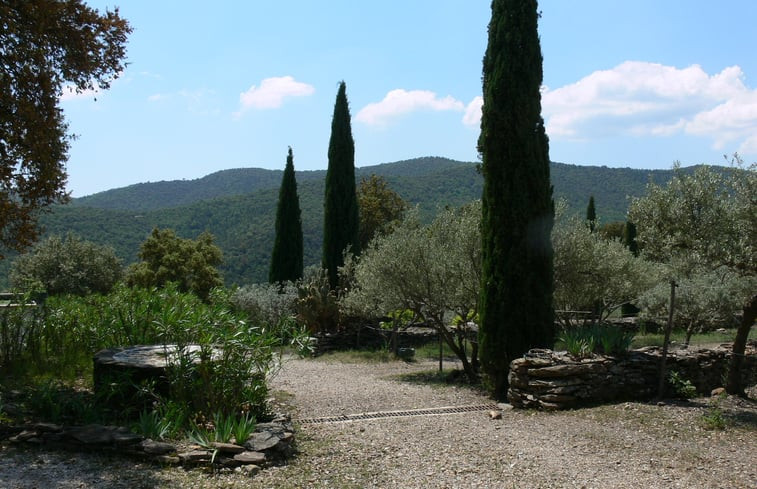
(343,418)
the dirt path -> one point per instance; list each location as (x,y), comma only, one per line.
(627,445)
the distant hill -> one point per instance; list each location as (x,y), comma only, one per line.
(238,206)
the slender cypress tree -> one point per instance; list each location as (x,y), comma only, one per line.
(591,214)
(286,259)
(518,211)
(341,218)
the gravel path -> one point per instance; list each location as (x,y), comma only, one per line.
(628,445)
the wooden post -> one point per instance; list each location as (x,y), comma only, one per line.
(666,341)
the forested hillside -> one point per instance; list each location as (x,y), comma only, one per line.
(238,206)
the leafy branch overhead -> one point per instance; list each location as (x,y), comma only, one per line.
(47,47)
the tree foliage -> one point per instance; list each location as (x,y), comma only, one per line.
(594,274)
(380,207)
(591,214)
(517,213)
(341,215)
(704,221)
(433,271)
(67,265)
(46,47)
(166,257)
(706,300)
(287,255)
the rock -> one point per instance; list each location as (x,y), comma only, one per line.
(128,438)
(23,436)
(717,391)
(195,456)
(255,458)
(91,434)
(168,459)
(495,414)
(47,428)
(260,442)
(156,447)
(227,447)
(250,469)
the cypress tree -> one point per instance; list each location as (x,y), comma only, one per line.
(591,214)
(341,218)
(518,211)
(286,259)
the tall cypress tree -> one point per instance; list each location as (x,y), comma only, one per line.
(341,218)
(286,259)
(591,214)
(518,211)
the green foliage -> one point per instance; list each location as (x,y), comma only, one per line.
(603,339)
(431,271)
(168,258)
(682,387)
(269,304)
(239,207)
(243,427)
(20,328)
(341,214)
(46,45)
(287,255)
(708,300)
(591,214)
(516,297)
(318,303)
(67,265)
(380,208)
(153,425)
(593,276)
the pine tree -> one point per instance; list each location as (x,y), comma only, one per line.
(518,211)
(286,259)
(341,216)
(591,214)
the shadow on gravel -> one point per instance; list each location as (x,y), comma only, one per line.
(27,467)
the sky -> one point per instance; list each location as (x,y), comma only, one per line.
(232,84)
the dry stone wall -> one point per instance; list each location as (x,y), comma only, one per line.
(545,379)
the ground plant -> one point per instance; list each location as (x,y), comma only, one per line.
(223,374)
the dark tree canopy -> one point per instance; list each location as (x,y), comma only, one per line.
(591,214)
(287,256)
(341,215)
(518,212)
(381,208)
(46,47)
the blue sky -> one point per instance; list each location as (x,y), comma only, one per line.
(636,84)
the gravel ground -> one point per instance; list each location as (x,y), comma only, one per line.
(627,445)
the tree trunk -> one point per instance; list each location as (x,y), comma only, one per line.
(733,385)
(666,341)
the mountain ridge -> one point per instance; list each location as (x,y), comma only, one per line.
(238,206)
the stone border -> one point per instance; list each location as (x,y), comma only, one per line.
(270,443)
(545,379)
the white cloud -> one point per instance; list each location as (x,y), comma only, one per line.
(69,93)
(472,115)
(648,99)
(398,102)
(272,92)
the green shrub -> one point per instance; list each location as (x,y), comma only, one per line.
(603,339)
(682,387)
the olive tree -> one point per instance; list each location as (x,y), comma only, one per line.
(433,271)
(705,300)
(705,220)
(67,265)
(593,272)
